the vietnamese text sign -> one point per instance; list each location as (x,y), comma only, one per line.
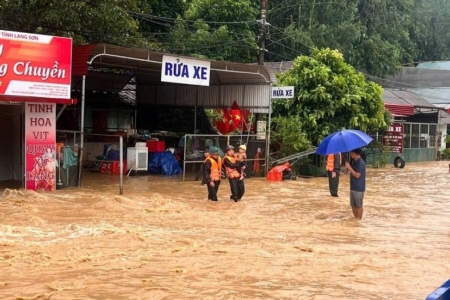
(185,70)
(40,146)
(282,92)
(393,138)
(261,130)
(34,65)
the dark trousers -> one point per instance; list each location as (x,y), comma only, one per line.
(333,183)
(212,190)
(237,188)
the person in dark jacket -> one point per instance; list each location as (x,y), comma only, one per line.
(333,167)
(212,174)
(233,173)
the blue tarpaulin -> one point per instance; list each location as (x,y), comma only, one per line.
(163,163)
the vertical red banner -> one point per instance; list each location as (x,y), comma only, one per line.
(40,146)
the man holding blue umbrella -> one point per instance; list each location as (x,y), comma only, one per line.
(357,172)
(350,141)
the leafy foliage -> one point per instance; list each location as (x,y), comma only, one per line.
(375,36)
(288,133)
(85,21)
(229,36)
(330,95)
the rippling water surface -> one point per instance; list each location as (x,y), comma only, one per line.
(285,240)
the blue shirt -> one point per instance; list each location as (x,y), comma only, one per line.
(358,184)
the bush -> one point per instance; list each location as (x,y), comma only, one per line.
(288,133)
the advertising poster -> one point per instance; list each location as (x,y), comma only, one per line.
(33,65)
(393,138)
(40,146)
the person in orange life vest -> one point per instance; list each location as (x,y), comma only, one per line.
(333,168)
(241,156)
(233,173)
(212,174)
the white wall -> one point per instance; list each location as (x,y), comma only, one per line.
(442,128)
(11,167)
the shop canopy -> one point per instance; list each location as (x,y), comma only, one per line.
(102,56)
(402,103)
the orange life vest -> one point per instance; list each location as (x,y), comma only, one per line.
(232,173)
(216,168)
(330,162)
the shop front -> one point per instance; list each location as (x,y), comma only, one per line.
(35,76)
(167,95)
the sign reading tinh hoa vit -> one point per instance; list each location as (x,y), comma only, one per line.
(283,92)
(40,146)
(34,65)
(185,70)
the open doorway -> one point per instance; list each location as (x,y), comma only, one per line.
(11,149)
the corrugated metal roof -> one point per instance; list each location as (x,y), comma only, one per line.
(278,67)
(80,57)
(247,84)
(394,96)
(145,61)
(445,106)
(436,65)
(400,110)
(253,97)
(434,95)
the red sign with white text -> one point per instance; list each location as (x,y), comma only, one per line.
(393,138)
(33,65)
(40,146)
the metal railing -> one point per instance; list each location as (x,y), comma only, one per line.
(292,157)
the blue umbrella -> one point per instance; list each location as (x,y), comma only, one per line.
(343,141)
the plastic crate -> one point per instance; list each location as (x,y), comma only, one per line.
(156,146)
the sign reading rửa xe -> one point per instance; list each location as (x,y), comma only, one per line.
(283,92)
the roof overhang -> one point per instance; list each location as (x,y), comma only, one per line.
(141,61)
(400,110)
(22,99)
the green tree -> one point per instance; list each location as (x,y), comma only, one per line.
(429,30)
(221,30)
(330,95)
(373,35)
(109,21)
(289,135)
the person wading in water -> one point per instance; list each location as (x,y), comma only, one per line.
(212,174)
(357,171)
(333,168)
(233,173)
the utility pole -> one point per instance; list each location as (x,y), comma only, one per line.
(262,37)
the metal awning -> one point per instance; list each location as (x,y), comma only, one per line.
(141,61)
(400,110)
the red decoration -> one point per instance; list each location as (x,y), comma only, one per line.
(234,119)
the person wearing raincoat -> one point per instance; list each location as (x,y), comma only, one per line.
(233,173)
(333,167)
(212,174)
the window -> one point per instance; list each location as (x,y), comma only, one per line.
(406,135)
(424,137)
(415,136)
(432,136)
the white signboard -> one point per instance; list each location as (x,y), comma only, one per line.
(185,71)
(282,92)
(261,130)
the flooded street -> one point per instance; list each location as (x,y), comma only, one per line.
(285,240)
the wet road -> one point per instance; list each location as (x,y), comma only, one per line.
(285,240)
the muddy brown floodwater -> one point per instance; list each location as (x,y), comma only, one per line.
(285,240)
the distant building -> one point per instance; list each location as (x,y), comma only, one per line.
(425,122)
